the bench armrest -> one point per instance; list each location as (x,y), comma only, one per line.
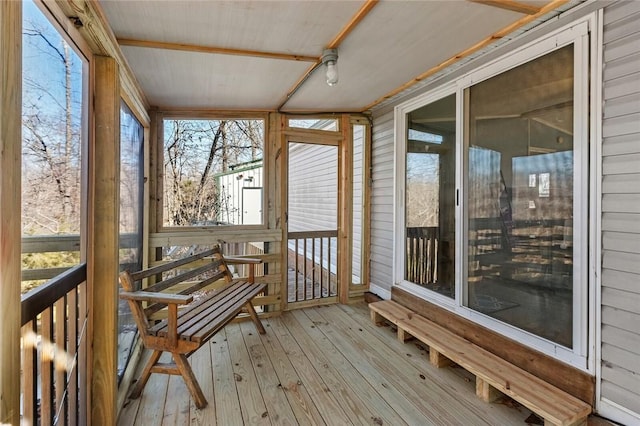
(148,296)
(244,260)
(241,260)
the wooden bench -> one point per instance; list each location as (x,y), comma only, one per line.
(493,374)
(187,328)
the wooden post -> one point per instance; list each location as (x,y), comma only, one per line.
(366,213)
(104,230)
(281,171)
(10,164)
(345,209)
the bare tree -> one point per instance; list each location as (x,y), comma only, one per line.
(195,151)
(51,136)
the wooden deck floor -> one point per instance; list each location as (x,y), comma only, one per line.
(325,365)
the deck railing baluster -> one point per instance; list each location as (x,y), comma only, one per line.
(316,265)
(54,384)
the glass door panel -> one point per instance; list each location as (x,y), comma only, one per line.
(430,197)
(520,196)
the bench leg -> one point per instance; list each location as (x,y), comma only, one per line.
(254,317)
(376,318)
(137,389)
(190,379)
(485,391)
(438,360)
(403,336)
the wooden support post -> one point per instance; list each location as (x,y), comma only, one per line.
(403,336)
(376,318)
(345,208)
(10,164)
(104,231)
(485,391)
(438,360)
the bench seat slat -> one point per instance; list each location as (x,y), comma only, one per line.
(199,307)
(205,317)
(228,303)
(231,309)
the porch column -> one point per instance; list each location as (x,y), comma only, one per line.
(345,214)
(103,240)
(10,233)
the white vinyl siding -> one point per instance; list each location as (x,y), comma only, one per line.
(232,196)
(382,158)
(620,332)
(313,172)
(313,197)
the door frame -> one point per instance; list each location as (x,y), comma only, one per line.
(578,33)
(342,139)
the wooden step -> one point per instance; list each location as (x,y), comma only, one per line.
(493,374)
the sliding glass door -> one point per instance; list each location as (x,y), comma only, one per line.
(493,195)
(520,196)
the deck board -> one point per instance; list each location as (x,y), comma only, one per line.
(227,403)
(153,399)
(280,410)
(301,402)
(201,364)
(326,365)
(351,382)
(438,409)
(177,406)
(318,385)
(252,401)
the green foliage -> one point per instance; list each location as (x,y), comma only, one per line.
(44,261)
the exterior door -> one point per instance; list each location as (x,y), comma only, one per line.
(312,223)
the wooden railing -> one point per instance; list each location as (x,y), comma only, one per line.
(310,258)
(54,350)
(421,266)
(58,243)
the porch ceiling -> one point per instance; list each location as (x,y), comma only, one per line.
(247,55)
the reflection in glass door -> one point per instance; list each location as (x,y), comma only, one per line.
(520,196)
(430,197)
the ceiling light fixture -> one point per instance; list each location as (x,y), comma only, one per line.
(330,60)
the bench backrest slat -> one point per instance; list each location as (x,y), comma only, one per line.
(182,276)
(145,273)
(151,309)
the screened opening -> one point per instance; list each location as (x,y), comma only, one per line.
(327,124)
(213,172)
(131,220)
(52,139)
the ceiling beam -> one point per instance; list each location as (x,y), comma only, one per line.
(335,43)
(511,5)
(470,50)
(214,49)
(355,20)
